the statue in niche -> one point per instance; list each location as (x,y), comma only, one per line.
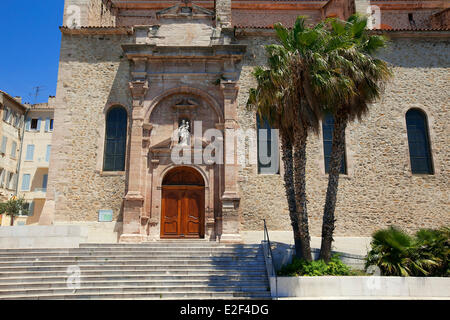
(184,133)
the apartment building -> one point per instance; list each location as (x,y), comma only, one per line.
(12,115)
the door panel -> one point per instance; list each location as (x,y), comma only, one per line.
(171,209)
(193,212)
(182,212)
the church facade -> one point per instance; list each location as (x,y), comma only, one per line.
(143,83)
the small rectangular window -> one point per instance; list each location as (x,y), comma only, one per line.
(51,124)
(34,124)
(30,152)
(327,131)
(44,182)
(268,148)
(26,182)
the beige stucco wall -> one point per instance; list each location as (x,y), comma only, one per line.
(38,166)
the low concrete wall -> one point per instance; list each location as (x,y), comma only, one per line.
(360,287)
(99,232)
(61,236)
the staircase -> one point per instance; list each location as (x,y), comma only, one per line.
(161,270)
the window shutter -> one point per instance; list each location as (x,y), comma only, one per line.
(14,181)
(28,124)
(4,142)
(2,178)
(30,152)
(13,149)
(5,114)
(47,155)
(39,124)
(25,182)
(47,124)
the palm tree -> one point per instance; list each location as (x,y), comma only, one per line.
(291,94)
(365,76)
(269,99)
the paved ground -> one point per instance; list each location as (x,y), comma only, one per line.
(353,245)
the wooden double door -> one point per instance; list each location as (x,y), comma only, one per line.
(182,212)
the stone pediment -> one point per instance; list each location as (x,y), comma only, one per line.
(185,9)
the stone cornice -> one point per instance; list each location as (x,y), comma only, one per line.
(243,31)
(177,52)
(236,4)
(97,30)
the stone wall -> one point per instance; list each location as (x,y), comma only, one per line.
(93,76)
(379,189)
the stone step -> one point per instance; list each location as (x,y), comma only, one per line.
(193,295)
(135,289)
(157,277)
(153,256)
(119,283)
(180,244)
(131,267)
(123,262)
(11,256)
(16,252)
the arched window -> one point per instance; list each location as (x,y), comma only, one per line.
(115,139)
(419,142)
(327,130)
(268,155)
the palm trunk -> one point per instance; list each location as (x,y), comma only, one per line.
(300,192)
(12,221)
(287,158)
(338,147)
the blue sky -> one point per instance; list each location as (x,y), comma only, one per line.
(30,44)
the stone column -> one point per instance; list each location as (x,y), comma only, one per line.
(134,200)
(230,197)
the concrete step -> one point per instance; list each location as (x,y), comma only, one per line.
(135,289)
(124,272)
(181,244)
(153,256)
(163,270)
(166,261)
(193,295)
(130,276)
(126,255)
(145,267)
(118,283)
(193,251)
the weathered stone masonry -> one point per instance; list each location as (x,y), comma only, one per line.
(98,65)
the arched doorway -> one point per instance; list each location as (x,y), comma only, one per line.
(183,204)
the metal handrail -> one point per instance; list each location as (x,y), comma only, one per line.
(266,234)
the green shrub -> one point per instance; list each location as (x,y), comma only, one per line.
(398,254)
(300,267)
